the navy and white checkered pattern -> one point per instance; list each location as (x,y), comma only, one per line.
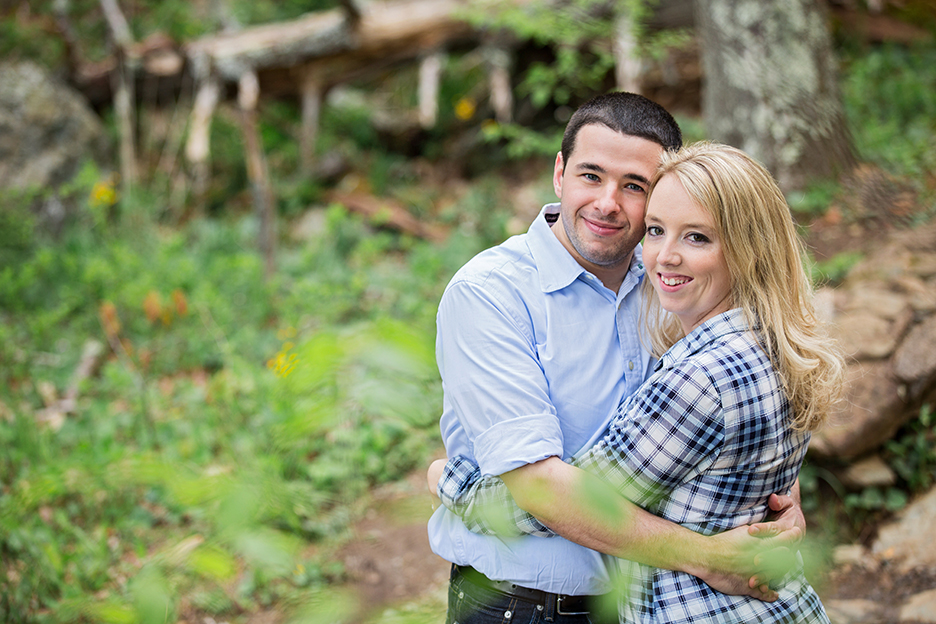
(703,443)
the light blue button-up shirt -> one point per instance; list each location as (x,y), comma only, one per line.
(535,354)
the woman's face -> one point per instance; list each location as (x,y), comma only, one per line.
(684,256)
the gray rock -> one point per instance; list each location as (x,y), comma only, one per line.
(907,541)
(47,131)
(922,295)
(876,300)
(869,472)
(853,611)
(920,608)
(923,265)
(873,410)
(915,359)
(864,335)
(312,224)
(884,316)
(850,554)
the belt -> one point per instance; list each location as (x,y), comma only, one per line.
(565,605)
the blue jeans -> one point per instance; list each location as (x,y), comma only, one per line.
(469,603)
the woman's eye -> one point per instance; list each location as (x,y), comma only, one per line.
(654,230)
(698,238)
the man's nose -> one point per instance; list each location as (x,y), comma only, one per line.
(608,201)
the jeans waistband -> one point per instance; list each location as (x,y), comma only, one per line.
(565,605)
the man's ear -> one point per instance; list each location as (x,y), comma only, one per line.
(557,175)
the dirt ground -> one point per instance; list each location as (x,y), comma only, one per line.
(389,561)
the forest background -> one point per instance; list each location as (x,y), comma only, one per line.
(233,420)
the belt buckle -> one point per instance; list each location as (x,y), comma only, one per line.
(560,611)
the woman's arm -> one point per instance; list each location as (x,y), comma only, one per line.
(646,453)
(586,510)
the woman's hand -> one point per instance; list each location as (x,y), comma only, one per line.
(738,563)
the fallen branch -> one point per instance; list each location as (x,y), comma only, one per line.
(387,213)
(55,411)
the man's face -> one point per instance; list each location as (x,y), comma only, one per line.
(602,192)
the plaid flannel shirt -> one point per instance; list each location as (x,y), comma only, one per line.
(703,443)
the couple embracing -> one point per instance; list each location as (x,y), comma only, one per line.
(629,391)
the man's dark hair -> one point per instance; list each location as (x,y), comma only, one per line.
(627,113)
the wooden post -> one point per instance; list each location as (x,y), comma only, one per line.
(430,72)
(123,90)
(312,92)
(627,65)
(197,148)
(248,96)
(498,60)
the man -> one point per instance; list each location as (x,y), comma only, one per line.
(537,344)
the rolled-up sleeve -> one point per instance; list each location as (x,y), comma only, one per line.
(493,379)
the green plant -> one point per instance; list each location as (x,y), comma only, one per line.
(912,452)
(832,271)
(185,430)
(875,499)
(815,199)
(891,106)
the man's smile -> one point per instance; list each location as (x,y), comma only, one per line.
(603,229)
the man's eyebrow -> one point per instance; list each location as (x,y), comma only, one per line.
(587,166)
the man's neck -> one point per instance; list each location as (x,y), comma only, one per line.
(611,276)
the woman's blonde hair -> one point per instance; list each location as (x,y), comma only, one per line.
(765,257)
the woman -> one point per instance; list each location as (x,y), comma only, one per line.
(745,374)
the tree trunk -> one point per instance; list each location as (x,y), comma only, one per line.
(770,86)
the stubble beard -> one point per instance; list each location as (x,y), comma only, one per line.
(599,255)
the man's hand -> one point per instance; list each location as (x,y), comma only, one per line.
(432,480)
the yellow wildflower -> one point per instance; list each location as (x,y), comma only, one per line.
(465,108)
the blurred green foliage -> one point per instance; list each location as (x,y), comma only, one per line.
(832,271)
(912,452)
(195,452)
(891,105)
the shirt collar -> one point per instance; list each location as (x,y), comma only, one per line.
(730,322)
(556,267)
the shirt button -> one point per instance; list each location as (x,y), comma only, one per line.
(461,595)
(630,365)
(539,607)
(508,614)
